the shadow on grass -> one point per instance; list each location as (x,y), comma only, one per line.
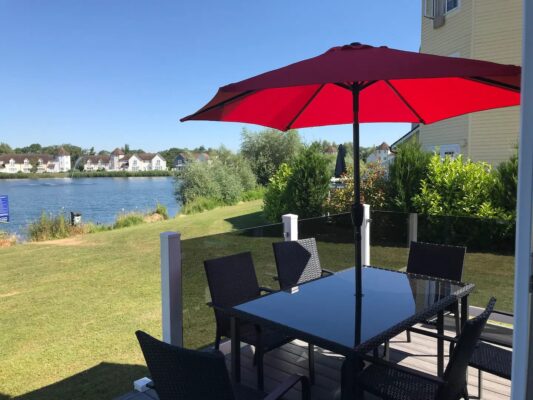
(103,381)
(248,220)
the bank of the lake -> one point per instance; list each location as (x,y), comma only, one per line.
(99,200)
(85,174)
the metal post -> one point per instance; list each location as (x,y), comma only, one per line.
(413,229)
(171,288)
(357,208)
(522,369)
(365,236)
(290,227)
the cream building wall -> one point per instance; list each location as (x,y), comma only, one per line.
(481,29)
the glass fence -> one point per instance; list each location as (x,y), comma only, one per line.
(198,318)
(489,261)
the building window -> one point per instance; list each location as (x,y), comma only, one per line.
(451,5)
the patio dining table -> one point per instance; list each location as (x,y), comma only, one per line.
(326,312)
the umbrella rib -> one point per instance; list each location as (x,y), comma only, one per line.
(495,83)
(221,104)
(405,101)
(304,107)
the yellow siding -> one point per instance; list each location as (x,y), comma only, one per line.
(487,30)
(450,131)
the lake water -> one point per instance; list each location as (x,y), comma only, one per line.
(98,199)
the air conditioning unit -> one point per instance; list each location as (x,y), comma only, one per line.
(435,10)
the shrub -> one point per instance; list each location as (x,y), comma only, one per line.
(274,205)
(254,194)
(504,191)
(161,210)
(308,185)
(196,180)
(374,185)
(456,187)
(405,175)
(224,180)
(373,190)
(229,183)
(48,227)
(128,219)
(200,204)
(266,150)
(7,239)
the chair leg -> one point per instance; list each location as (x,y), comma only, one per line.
(311,359)
(457,319)
(260,375)
(479,383)
(408,336)
(386,351)
(217,341)
(465,394)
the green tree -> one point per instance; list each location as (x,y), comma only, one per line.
(5,148)
(274,205)
(405,175)
(308,185)
(456,187)
(266,150)
(127,149)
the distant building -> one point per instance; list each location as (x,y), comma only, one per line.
(381,155)
(181,160)
(118,161)
(40,163)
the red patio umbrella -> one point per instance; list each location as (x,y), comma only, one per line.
(360,83)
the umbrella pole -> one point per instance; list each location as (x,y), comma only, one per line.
(357,207)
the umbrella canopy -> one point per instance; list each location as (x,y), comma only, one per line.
(360,83)
(340,164)
(395,86)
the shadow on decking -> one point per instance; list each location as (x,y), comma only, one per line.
(103,381)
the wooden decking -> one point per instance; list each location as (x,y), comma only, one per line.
(419,354)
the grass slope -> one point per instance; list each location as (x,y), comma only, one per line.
(69,308)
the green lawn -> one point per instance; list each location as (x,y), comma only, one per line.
(68,309)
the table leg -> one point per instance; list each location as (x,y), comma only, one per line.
(235,350)
(351,367)
(464,310)
(440,343)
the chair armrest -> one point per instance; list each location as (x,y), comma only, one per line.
(434,335)
(327,272)
(266,289)
(388,364)
(287,384)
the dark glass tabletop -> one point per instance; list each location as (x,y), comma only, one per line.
(324,311)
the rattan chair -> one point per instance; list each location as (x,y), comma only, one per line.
(493,354)
(395,382)
(438,261)
(183,374)
(232,281)
(297,262)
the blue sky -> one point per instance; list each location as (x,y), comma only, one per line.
(107,72)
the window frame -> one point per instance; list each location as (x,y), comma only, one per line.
(446,11)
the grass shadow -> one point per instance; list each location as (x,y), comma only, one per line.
(103,381)
(248,220)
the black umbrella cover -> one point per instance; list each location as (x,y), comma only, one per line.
(340,165)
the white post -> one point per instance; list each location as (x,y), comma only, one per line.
(290,227)
(171,289)
(365,236)
(413,228)
(522,376)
